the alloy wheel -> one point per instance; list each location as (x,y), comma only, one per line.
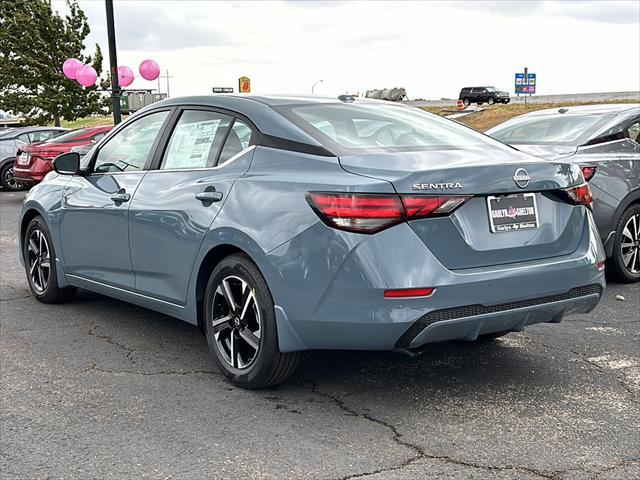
(236,322)
(630,246)
(39,260)
(9,180)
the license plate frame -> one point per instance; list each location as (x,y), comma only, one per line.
(499,222)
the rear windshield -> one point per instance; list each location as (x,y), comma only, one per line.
(561,129)
(66,137)
(371,128)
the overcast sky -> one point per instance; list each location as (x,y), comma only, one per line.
(431,48)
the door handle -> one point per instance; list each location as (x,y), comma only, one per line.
(209,195)
(121,196)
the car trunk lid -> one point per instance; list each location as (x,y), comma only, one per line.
(464,239)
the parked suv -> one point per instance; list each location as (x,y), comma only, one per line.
(481,95)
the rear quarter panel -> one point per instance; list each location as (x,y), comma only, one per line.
(615,182)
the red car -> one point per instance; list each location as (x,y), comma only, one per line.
(34,161)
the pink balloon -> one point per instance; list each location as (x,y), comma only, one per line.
(86,76)
(149,69)
(125,76)
(70,67)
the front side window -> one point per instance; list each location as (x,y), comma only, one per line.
(371,128)
(564,129)
(128,150)
(196,140)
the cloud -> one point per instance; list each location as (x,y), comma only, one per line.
(604,11)
(430,48)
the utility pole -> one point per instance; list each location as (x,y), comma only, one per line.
(113,61)
(167,76)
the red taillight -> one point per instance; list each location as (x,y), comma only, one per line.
(370,213)
(420,206)
(357,212)
(588,172)
(580,195)
(408,292)
(600,266)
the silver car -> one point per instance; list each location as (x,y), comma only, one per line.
(605,141)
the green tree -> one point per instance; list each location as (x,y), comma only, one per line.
(34,43)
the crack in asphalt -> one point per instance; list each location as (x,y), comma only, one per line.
(419,452)
(111,341)
(622,463)
(96,368)
(584,358)
(14,298)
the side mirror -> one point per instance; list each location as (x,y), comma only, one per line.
(67,163)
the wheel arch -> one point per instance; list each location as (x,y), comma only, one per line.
(633,197)
(27,216)
(208,263)
(6,160)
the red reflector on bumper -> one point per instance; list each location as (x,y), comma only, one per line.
(408,292)
(600,266)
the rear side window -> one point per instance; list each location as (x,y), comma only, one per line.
(562,129)
(239,138)
(196,140)
(67,137)
(633,131)
(25,138)
(369,128)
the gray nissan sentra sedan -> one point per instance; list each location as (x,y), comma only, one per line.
(604,140)
(286,224)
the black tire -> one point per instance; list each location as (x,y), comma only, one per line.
(6,179)
(466,101)
(237,359)
(45,288)
(621,267)
(491,101)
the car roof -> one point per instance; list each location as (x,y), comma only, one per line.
(259,109)
(613,108)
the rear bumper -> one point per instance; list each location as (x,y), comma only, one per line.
(467,323)
(33,174)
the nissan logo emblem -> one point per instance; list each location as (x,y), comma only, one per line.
(522,178)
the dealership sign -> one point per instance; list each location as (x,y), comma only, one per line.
(525,83)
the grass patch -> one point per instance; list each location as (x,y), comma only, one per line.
(97,121)
(496,114)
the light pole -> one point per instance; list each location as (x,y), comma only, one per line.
(314,86)
(115,87)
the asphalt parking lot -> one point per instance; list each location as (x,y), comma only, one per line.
(102,389)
